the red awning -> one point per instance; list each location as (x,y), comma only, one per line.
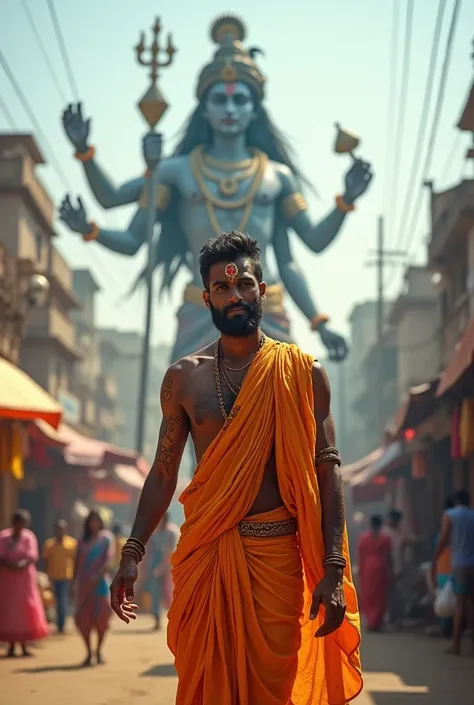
(462,358)
(88,452)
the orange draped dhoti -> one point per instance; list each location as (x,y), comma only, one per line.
(239,623)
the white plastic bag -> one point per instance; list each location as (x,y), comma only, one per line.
(445,601)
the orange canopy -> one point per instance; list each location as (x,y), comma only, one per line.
(21,398)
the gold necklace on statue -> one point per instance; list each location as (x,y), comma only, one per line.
(199,170)
(229,185)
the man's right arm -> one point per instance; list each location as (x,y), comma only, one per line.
(162,479)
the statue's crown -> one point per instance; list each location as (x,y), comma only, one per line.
(232,62)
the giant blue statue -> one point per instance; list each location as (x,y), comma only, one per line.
(232,169)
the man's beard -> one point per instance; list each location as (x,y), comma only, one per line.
(238,326)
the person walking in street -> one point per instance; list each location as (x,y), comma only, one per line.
(262,564)
(375,573)
(457,531)
(59,552)
(91,583)
(162,544)
(400,541)
(22,617)
(444,572)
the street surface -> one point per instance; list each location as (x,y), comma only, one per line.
(400,669)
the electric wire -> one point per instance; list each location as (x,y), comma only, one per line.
(413,221)
(63,50)
(402,107)
(46,144)
(392,97)
(8,116)
(450,158)
(437,115)
(31,115)
(420,137)
(42,48)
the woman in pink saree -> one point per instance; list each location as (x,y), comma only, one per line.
(374,549)
(91,583)
(22,617)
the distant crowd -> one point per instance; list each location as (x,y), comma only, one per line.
(383,569)
(77,579)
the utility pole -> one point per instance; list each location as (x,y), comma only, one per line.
(380,321)
(382,258)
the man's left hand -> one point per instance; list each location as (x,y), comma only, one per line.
(330,593)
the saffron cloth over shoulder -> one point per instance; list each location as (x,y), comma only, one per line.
(239,623)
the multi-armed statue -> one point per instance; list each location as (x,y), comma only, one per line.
(230,170)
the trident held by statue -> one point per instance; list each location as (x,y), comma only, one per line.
(152,106)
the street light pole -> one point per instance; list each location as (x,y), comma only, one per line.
(153,105)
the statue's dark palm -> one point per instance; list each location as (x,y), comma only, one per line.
(74,218)
(77,128)
(358,179)
(335,344)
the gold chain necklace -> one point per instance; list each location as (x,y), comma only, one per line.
(212,201)
(229,166)
(217,374)
(229,185)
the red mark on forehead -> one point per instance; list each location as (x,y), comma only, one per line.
(230,88)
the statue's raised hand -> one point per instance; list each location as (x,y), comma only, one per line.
(74,218)
(152,148)
(357,180)
(76,127)
(334,343)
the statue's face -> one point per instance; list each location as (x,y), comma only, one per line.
(230,108)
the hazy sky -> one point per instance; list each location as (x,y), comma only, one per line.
(325,61)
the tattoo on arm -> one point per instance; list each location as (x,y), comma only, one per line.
(166,389)
(329,474)
(167,443)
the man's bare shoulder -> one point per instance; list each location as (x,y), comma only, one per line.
(321,386)
(181,371)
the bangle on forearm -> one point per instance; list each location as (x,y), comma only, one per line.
(318,320)
(343,206)
(94,233)
(135,548)
(85,156)
(328,455)
(335,559)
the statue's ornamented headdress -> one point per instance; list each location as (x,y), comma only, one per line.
(232,62)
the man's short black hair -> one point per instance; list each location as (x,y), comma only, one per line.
(227,248)
(376,521)
(395,516)
(462,497)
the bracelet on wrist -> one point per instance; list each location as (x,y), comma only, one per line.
(343,206)
(336,560)
(135,548)
(94,233)
(85,156)
(318,320)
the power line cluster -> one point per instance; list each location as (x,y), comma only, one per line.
(55,163)
(425,139)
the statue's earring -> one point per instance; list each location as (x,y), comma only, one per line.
(264,296)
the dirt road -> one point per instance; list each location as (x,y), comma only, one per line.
(399,670)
